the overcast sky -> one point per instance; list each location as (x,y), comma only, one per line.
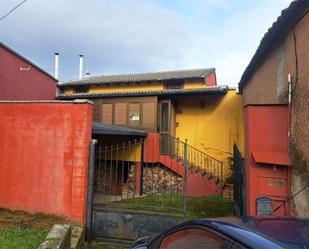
(122,36)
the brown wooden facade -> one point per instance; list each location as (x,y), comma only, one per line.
(137,112)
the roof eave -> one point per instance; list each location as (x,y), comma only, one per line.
(222,90)
(276,34)
(125,82)
(26,60)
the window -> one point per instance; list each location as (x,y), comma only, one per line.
(174,84)
(195,238)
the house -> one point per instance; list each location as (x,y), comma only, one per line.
(171,107)
(21,79)
(275,92)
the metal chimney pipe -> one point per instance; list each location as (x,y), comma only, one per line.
(57,66)
(81,66)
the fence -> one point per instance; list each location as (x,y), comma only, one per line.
(150,173)
(238,182)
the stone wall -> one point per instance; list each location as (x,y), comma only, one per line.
(156,180)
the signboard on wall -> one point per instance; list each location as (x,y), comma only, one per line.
(135,116)
(264,206)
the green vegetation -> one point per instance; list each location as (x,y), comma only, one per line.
(21,238)
(197,207)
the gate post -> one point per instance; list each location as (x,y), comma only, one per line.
(184,191)
(91,166)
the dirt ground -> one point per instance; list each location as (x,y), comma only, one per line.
(10,218)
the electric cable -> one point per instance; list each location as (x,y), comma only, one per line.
(7,14)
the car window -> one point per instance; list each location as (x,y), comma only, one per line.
(194,238)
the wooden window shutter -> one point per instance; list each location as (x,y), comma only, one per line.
(97,110)
(134,114)
(149,109)
(107,113)
(121,114)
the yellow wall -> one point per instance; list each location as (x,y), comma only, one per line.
(194,84)
(134,87)
(123,154)
(213,128)
(68,91)
(126,88)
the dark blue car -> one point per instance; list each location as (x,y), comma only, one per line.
(249,232)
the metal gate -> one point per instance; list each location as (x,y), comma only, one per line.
(136,178)
(239,185)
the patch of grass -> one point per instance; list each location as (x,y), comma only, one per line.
(197,207)
(21,238)
(16,218)
(206,207)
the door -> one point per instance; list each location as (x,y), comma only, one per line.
(165,126)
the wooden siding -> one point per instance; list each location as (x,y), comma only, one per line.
(107,113)
(134,114)
(137,112)
(97,109)
(148,109)
(121,113)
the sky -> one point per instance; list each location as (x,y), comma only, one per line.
(133,36)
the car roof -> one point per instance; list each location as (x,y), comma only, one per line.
(243,235)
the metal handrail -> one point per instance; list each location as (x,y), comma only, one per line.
(178,140)
(193,152)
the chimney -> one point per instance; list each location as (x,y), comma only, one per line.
(57,66)
(81,66)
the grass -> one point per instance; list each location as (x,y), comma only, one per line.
(21,238)
(197,207)
(22,230)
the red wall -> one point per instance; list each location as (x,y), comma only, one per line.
(211,79)
(44,157)
(23,85)
(266,129)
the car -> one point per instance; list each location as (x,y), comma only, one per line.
(291,231)
(247,233)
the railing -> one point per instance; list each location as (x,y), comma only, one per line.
(150,172)
(132,173)
(238,177)
(197,160)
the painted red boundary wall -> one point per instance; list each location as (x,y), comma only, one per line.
(266,129)
(44,157)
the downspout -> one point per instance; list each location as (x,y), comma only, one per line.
(89,207)
(289,107)
(289,135)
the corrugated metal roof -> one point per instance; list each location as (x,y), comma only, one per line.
(217,90)
(141,77)
(26,60)
(108,129)
(276,34)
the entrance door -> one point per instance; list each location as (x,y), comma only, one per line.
(166,125)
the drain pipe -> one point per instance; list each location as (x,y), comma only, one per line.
(57,66)
(90,189)
(81,66)
(290,106)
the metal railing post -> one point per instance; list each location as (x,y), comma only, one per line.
(90,188)
(184,193)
